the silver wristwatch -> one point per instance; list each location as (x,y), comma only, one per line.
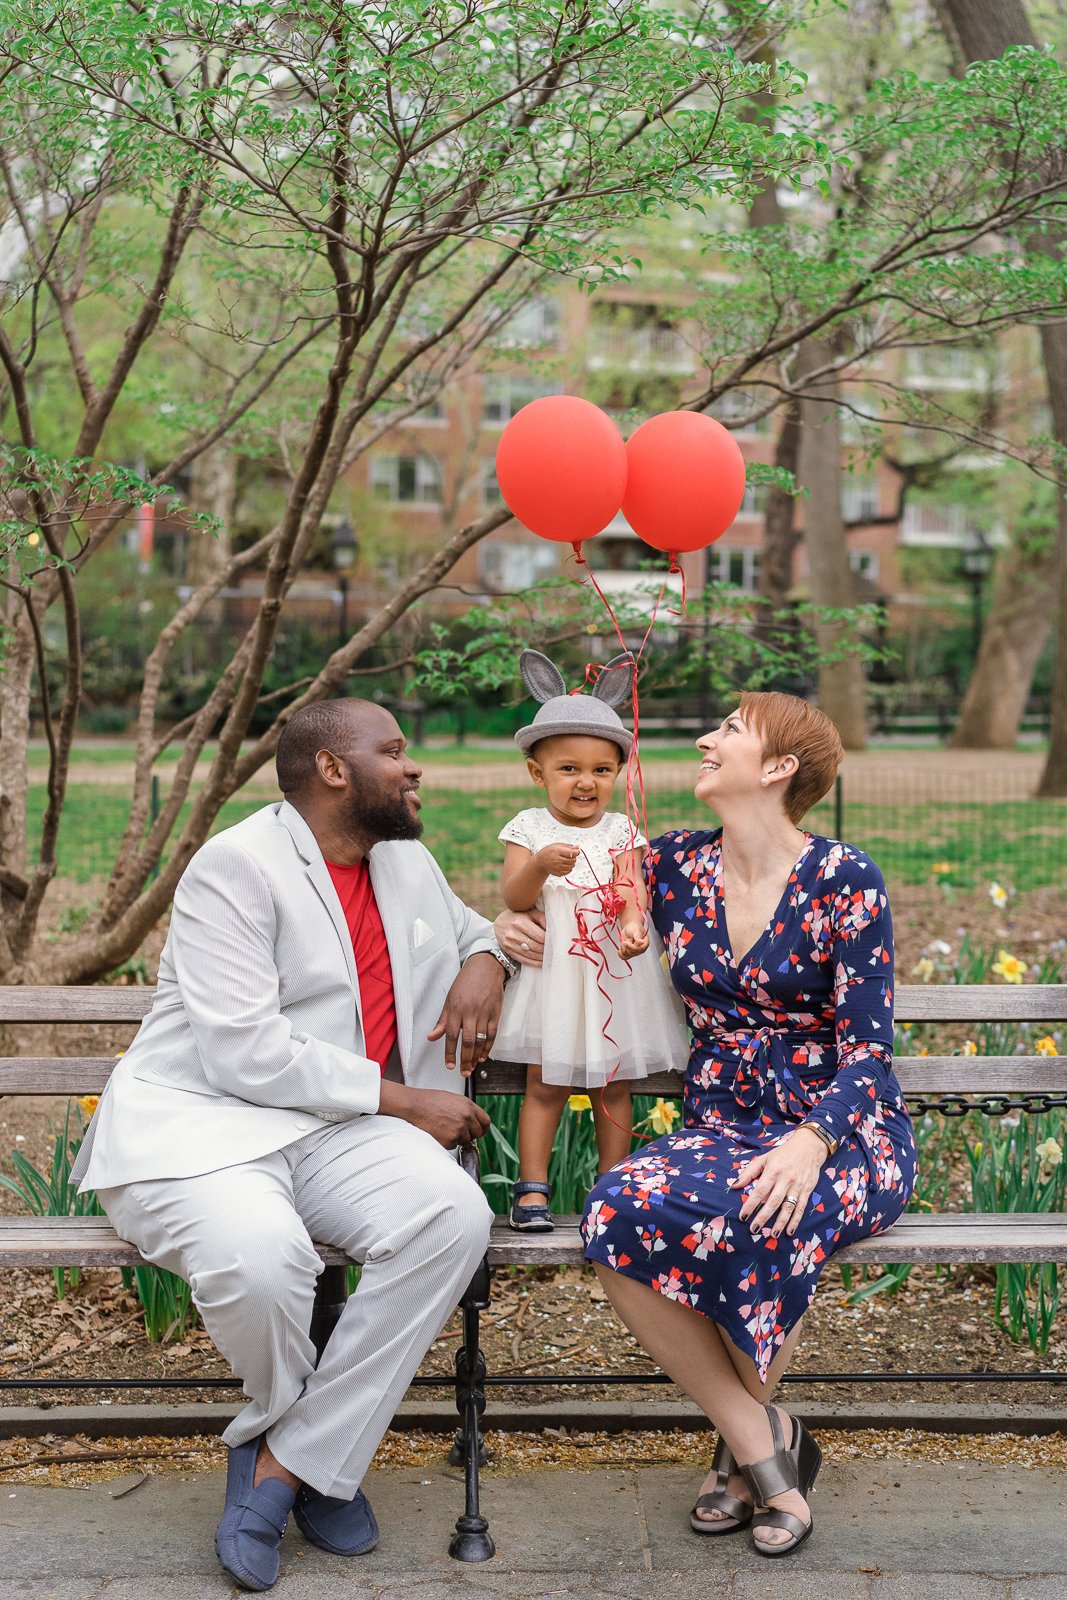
(511,968)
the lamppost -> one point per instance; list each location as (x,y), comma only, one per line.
(977,564)
(344,548)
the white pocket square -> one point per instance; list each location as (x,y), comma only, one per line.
(421,932)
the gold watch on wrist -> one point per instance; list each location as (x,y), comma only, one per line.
(827,1138)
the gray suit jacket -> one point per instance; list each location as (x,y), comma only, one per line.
(256,1027)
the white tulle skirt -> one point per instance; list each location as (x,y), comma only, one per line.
(557,1014)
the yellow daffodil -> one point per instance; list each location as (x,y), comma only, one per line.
(1009,967)
(663,1116)
(999,895)
(939,868)
(87,1104)
(1050,1153)
(923,969)
(1046,1046)
(968,1048)
(579,1103)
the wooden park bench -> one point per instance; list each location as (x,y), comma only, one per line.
(947,1083)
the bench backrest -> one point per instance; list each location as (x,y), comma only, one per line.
(971,1004)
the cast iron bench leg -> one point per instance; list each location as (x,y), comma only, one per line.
(331,1293)
(471,1540)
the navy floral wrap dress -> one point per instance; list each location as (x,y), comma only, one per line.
(800,1029)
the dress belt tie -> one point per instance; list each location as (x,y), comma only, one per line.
(752,1072)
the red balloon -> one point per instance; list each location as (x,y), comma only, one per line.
(685,483)
(561,466)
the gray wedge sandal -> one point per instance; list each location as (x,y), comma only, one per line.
(734,1514)
(795,1467)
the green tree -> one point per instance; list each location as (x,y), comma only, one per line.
(227,219)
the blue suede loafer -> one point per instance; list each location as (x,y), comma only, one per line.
(253,1521)
(344,1527)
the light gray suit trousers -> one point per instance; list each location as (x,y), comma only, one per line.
(382,1190)
(243,1122)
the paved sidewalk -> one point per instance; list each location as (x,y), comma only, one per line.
(885,1531)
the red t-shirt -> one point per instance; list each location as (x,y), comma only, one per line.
(373,970)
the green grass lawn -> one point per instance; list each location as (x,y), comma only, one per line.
(1022,844)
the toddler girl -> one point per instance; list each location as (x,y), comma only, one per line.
(593,1016)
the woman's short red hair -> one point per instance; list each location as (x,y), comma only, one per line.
(787,725)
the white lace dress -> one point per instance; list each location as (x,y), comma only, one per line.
(588,1021)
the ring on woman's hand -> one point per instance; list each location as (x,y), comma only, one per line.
(525,945)
(481,1036)
(791,1199)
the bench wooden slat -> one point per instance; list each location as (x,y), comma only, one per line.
(958,1238)
(936,1002)
(925,1075)
(57,1075)
(79,1003)
(981,1002)
(949,1238)
(917,1075)
(81,1242)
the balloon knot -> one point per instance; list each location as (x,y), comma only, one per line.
(577,548)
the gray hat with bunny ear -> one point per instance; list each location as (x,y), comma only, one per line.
(563,713)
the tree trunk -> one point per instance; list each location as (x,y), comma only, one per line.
(16,702)
(780,534)
(1013,638)
(841,685)
(213,490)
(981,30)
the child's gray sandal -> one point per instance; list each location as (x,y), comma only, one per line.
(531,1219)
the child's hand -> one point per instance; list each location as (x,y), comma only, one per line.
(633,938)
(557,859)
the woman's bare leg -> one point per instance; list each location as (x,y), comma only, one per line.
(542,1107)
(693,1351)
(613,1119)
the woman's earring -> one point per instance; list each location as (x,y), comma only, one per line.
(763,783)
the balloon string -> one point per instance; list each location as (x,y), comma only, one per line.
(586,944)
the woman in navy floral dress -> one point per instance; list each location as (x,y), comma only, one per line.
(795,1138)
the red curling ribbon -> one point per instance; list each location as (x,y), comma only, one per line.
(586,943)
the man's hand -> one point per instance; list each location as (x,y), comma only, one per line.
(471,1011)
(449,1118)
(521,935)
(633,938)
(557,859)
(782,1179)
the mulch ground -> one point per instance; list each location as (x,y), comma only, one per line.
(128,1463)
(552,1321)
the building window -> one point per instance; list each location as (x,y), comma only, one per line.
(491,495)
(859,499)
(865,564)
(503,395)
(755,500)
(739,568)
(927,522)
(511,567)
(733,410)
(639,337)
(407,480)
(537,322)
(950,366)
(432,411)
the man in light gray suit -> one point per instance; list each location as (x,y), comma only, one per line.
(296,1080)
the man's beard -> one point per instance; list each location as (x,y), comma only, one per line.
(381,819)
